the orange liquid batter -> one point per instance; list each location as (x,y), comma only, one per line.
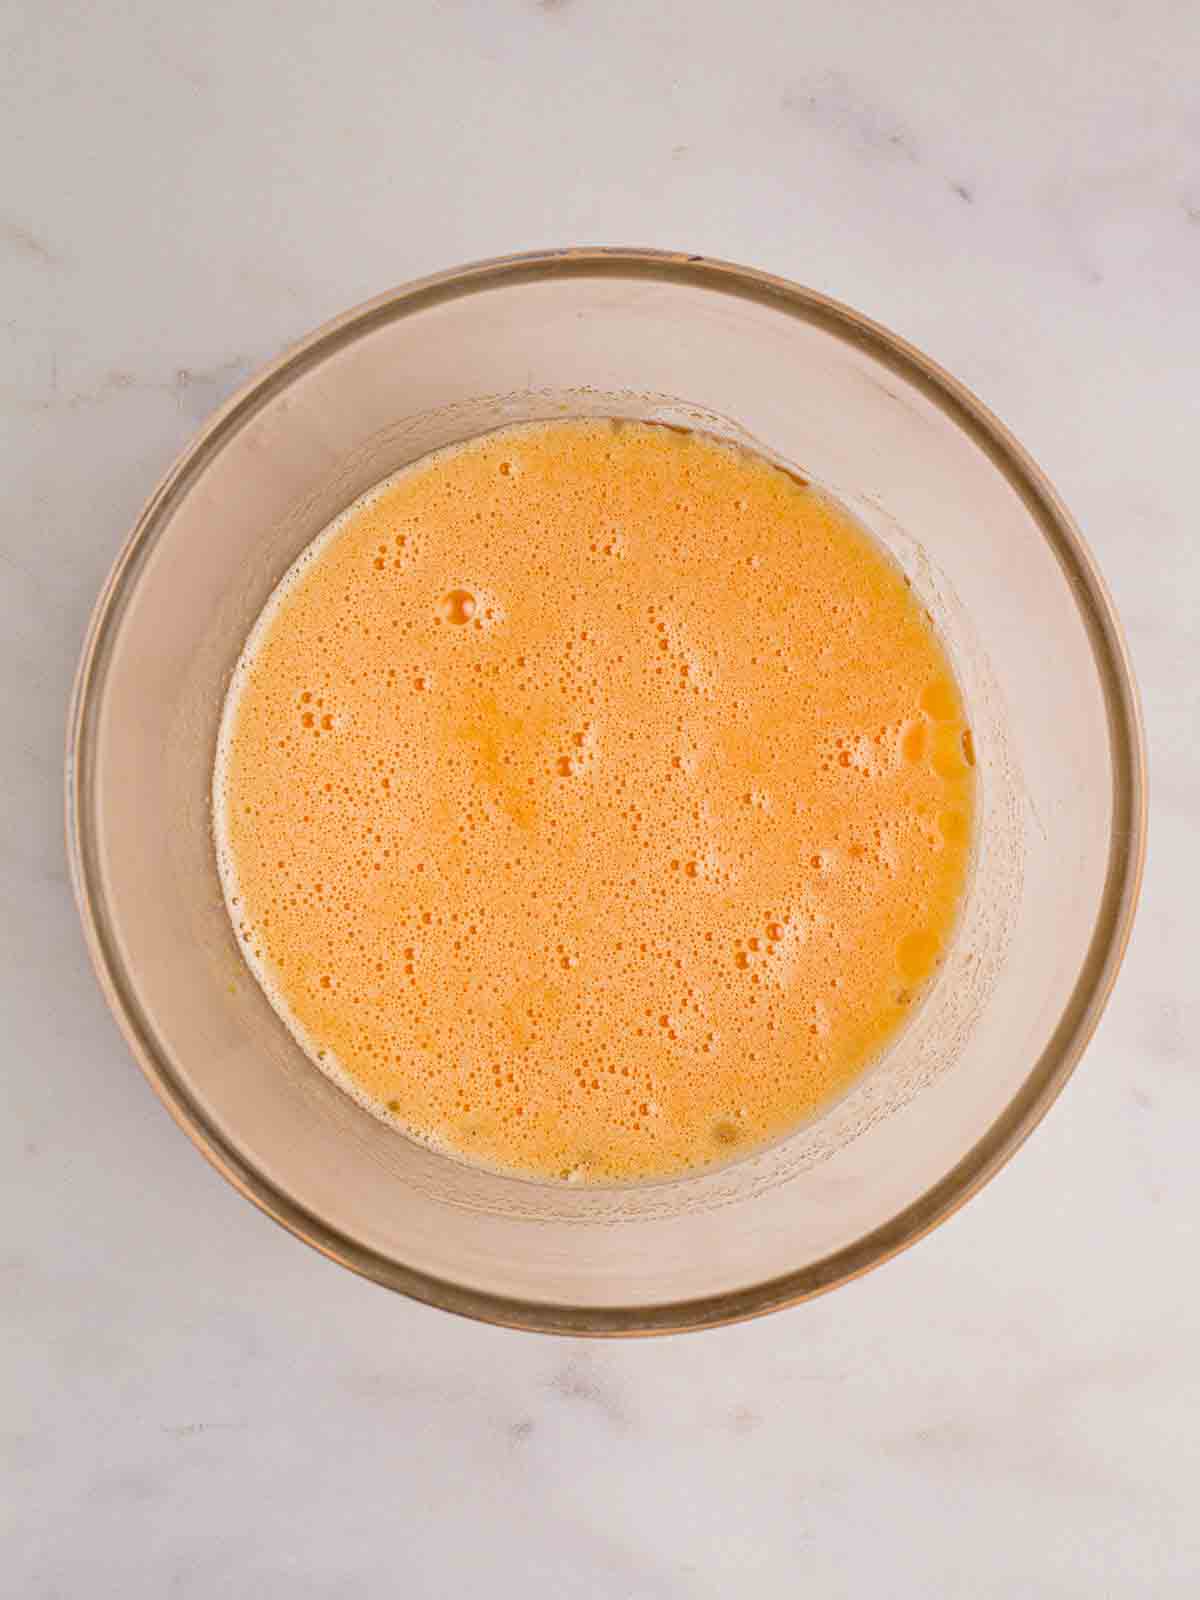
(593,800)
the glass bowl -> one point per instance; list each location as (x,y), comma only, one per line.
(1009,583)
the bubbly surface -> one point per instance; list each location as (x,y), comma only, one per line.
(593,800)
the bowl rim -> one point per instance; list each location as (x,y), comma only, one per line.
(1110,934)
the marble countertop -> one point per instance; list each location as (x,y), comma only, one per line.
(194,1404)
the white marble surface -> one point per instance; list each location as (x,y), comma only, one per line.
(191,1403)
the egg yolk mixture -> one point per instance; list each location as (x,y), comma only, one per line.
(593,800)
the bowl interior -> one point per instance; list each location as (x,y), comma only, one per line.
(1009,587)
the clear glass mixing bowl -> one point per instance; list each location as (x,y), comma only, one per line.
(1009,583)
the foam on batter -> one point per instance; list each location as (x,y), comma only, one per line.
(593,799)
